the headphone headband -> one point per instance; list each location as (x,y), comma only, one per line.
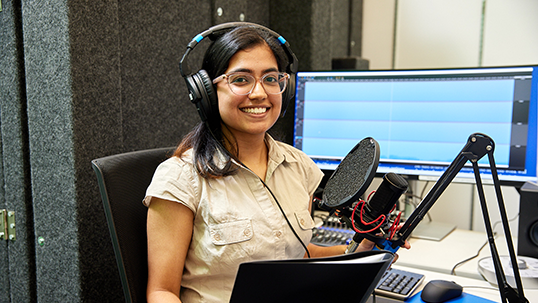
(292,59)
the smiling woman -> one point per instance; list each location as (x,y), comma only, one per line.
(211,205)
(247,117)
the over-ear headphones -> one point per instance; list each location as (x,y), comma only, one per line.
(200,86)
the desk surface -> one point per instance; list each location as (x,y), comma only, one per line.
(442,256)
(435,259)
(475,287)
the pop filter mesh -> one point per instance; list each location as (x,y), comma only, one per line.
(353,175)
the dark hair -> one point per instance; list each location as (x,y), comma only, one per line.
(207,138)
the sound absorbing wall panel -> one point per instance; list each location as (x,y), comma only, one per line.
(17,264)
(80,80)
(101,78)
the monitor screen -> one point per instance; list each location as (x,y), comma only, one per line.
(421,118)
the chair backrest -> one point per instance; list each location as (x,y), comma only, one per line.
(123,180)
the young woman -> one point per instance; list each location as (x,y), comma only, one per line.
(231,194)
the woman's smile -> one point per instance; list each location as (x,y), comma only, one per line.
(255,110)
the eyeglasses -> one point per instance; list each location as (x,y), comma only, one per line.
(243,83)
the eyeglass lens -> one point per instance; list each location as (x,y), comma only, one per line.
(243,84)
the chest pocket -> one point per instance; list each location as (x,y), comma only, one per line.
(304,219)
(231,232)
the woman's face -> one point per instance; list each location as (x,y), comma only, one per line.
(255,113)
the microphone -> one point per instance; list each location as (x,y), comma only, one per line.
(349,181)
(371,219)
(352,176)
(381,204)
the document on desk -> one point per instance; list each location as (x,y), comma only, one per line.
(464,298)
(345,278)
(368,259)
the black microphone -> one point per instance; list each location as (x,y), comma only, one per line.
(381,204)
(350,180)
(372,218)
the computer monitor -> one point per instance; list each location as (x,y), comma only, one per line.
(421,118)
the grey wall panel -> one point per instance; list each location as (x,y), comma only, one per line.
(110,84)
(97,125)
(292,19)
(85,79)
(155,106)
(356,28)
(256,11)
(50,124)
(317,30)
(128,95)
(17,264)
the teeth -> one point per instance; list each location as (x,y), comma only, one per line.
(257,110)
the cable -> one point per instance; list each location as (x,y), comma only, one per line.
(279,207)
(413,196)
(482,287)
(362,203)
(264,184)
(411,201)
(394,226)
(422,197)
(285,217)
(499,222)
(453,271)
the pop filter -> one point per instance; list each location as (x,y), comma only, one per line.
(353,175)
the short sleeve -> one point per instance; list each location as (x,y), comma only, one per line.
(314,175)
(174,180)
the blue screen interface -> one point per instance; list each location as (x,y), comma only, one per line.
(421,118)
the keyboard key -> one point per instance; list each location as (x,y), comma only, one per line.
(398,284)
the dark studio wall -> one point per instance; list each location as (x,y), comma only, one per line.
(85,79)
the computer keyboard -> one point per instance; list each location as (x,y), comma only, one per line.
(398,284)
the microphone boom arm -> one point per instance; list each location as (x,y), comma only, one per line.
(478,145)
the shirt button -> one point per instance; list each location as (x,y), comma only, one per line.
(216,237)
(247,232)
(302,221)
(278,234)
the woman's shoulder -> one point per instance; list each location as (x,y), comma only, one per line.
(291,152)
(175,164)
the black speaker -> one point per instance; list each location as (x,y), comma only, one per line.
(528,221)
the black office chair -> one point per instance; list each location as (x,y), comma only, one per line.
(123,180)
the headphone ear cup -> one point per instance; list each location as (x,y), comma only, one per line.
(205,97)
(289,94)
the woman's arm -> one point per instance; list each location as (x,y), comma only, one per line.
(322,251)
(169,230)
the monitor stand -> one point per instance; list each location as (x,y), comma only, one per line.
(434,231)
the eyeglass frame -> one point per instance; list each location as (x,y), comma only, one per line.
(222,77)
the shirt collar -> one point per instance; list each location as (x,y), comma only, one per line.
(276,155)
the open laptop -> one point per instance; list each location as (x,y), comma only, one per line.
(346,278)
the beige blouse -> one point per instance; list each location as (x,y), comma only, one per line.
(236,219)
